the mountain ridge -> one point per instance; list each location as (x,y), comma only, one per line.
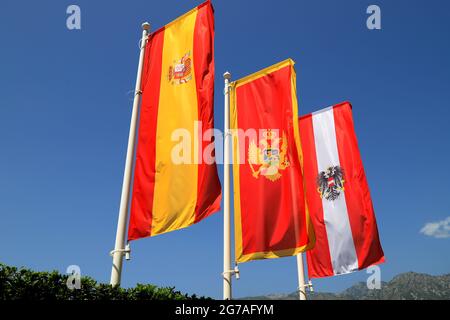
(404,286)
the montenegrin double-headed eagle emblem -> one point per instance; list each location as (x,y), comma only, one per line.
(330,183)
(269,157)
(181,70)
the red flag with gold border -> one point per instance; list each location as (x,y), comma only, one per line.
(271,216)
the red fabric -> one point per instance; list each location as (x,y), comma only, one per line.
(272,212)
(320,266)
(357,195)
(209,201)
(144,172)
(209,189)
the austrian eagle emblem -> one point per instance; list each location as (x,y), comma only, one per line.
(330,183)
(269,157)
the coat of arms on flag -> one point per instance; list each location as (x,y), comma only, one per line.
(271,215)
(344,219)
(177,92)
(180,71)
(268,155)
(330,183)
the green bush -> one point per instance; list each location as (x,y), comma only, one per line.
(25,284)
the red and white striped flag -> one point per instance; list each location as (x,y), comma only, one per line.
(337,195)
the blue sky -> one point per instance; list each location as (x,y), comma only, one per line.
(65,103)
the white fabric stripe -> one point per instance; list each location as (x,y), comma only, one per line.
(339,234)
(322,110)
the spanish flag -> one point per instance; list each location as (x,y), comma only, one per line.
(271,216)
(174,187)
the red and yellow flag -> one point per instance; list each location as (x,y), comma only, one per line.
(177,98)
(271,216)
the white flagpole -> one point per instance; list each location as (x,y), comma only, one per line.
(301,277)
(227,273)
(119,248)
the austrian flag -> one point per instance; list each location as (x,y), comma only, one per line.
(337,194)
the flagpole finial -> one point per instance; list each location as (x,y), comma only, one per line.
(227,75)
(146,26)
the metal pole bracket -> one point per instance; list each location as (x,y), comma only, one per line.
(234,272)
(125,252)
(308,286)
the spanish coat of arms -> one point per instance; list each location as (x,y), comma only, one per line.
(330,183)
(180,71)
(269,157)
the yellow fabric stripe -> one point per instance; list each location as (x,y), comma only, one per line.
(298,144)
(175,193)
(236,184)
(271,254)
(264,72)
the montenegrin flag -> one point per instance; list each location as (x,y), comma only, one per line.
(271,216)
(177,99)
(337,195)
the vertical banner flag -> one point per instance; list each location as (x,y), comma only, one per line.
(337,195)
(174,187)
(271,216)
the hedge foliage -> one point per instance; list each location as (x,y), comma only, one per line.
(25,284)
